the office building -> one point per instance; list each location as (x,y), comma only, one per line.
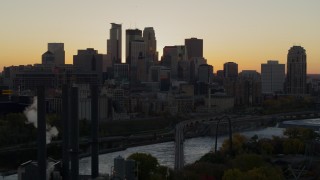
(250,75)
(195,63)
(48,58)
(230,70)
(121,72)
(57,49)
(194,47)
(114,43)
(205,73)
(296,71)
(133,35)
(89,61)
(272,77)
(151,44)
(171,57)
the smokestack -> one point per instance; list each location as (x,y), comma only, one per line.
(74,134)
(41,123)
(65,135)
(94,132)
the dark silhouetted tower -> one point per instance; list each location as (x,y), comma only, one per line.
(272,77)
(151,44)
(89,61)
(194,47)
(114,45)
(230,70)
(296,70)
(55,54)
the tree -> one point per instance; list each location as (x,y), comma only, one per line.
(246,162)
(232,174)
(301,133)
(265,146)
(293,146)
(292,132)
(308,134)
(265,173)
(201,171)
(147,165)
(216,158)
(238,142)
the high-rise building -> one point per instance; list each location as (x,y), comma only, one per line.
(171,57)
(194,47)
(135,54)
(220,73)
(121,72)
(250,75)
(89,61)
(195,63)
(48,58)
(114,43)
(55,54)
(132,35)
(151,44)
(296,70)
(205,72)
(272,77)
(230,70)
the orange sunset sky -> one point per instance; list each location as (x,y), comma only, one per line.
(248,32)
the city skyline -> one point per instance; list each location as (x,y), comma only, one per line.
(248,33)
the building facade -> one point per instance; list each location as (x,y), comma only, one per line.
(205,72)
(296,71)
(230,70)
(194,47)
(57,49)
(114,43)
(89,61)
(151,44)
(272,77)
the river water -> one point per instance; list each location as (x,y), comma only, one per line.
(194,148)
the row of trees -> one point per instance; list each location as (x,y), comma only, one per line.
(287,104)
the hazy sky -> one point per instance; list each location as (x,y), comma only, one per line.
(248,32)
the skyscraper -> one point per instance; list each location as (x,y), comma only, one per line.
(205,73)
(172,55)
(48,58)
(296,70)
(88,61)
(194,47)
(114,43)
(151,44)
(55,54)
(135,54)
(134,43)
(230,70)
(272,77)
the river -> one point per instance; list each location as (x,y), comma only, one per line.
(194,148)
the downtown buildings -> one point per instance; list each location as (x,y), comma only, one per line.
(143,79)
